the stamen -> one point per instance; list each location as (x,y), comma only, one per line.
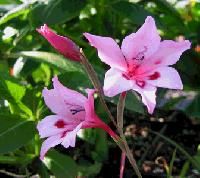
(75,111)
(140,56)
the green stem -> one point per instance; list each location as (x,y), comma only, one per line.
(120,110)
(122,141)
(95,81)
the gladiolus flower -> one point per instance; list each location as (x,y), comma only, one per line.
(141,64)
(73,112)
(62,44)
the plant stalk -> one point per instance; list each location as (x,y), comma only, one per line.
(122,143)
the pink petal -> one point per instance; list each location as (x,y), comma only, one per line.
(63,101)
(169,52)
(62,44)
(148,93)
(138,46)
(108,51)
(115,83)
(49,143)
(168,78)
(149,99)
(68,94)
(89,105)
(47,127)
(70,138)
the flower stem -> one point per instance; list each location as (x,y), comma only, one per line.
(121,142)
(95,81)
(120,113)
(120,110)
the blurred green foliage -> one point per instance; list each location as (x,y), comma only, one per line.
(28,62)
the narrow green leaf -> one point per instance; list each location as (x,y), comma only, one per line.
(172,163)
(182,150)
(185,169)
(51,59)
(15,12)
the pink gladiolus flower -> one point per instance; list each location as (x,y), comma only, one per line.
(62,44)
(73,112)
(141,64)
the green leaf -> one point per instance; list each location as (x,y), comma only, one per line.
(90,170)
(184,169)
(182,150)
(172,163)
(193,109)
(52,59)
(169,9)
(15,132)
(75,80)
(101,146)
(15,12)
(132,11)
(65,10)
(12,91)
(132,102)
(61,165)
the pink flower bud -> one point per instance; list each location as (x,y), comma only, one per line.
(62,44)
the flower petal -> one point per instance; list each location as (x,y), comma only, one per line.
(68,94)
(108,51)
(148,93)
(169,52)
(64,101)
(55,124)
(168,78)
(115,83)
(62,44)
(89,105)
(49,143)
(138,46)
(47,128)
(149,99)
(70,138)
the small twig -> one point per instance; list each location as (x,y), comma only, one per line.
(12,174)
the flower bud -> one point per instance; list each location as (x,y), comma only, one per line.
(62,44)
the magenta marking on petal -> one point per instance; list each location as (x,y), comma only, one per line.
(64,134)
(154,76)
(157,62)
(60,124)
(125,76)
(141,83)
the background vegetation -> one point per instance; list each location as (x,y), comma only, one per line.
(165,144)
